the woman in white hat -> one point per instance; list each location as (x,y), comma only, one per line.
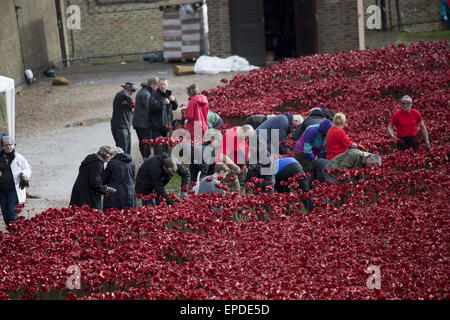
(14,174)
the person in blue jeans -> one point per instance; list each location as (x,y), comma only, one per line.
(14,174)
(286,168)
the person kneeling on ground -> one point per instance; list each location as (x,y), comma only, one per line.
(351,159)
(260,165)
(201,160)
(155,173)
(208,183)
(311,144)
(286,168)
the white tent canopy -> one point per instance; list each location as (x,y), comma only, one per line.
(7,87)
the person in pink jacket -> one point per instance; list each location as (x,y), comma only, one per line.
(196,114)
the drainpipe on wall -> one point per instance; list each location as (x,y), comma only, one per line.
(362,39)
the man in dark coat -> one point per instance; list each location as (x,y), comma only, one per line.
(123,106)
(89,188)
(284,123)
(141,119)
(119,174)
(316,116)
(155,173)
(162,104)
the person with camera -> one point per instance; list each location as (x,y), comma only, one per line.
(141,118)
(89,188)
(162,104)
(14,174)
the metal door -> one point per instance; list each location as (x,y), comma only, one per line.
(247,30)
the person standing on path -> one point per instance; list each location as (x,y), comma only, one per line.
(196,114)
(162,104)
(141,118)
(123,106)
(14,174)
(119,174)
(89,188)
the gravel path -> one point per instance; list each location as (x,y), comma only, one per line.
(56,127)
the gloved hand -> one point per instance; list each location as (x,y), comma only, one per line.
(428,146)
(110,190)
(183,194)
(23,183)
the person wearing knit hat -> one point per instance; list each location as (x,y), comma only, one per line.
(14,174)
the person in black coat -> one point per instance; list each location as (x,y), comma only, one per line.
(162,103)
(119,174)
(123,106)
(155,173)
(141,119)
(89,188)
(316,116)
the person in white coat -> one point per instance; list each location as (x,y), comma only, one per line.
(14,174)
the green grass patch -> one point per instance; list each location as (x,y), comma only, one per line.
(407,37)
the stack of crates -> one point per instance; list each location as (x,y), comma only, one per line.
(185,31)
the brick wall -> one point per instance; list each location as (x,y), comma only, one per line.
(219,28)
(10,52)
(337,25)
(415,15)
(34,38)
(116,29)
(137,28)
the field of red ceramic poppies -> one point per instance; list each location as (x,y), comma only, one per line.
(264,246)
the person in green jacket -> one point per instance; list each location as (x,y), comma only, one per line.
(351,159)
(445,12)
(214,120)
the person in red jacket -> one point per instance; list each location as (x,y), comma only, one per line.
(337,141)
(196,114)
(407,121)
